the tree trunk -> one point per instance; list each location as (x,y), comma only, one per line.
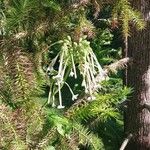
(138,77)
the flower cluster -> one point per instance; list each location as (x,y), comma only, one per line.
(72,56)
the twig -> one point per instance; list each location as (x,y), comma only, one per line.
(126,141)
(120,64)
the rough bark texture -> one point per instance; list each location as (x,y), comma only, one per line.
(138,77)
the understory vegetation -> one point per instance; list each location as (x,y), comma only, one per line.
(61,84)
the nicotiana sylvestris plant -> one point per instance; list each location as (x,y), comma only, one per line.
(72,56)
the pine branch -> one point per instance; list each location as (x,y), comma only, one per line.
(19,70)
(120,64)
(68,143)
(124,13)
(49,138)
(97,7)
(12,128)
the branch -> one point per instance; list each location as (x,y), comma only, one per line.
(114,67)
(126,141)
(97,8)
(120,64)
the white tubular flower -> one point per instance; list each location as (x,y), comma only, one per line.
(63,71)
(53,104)
(61,63)
(92,77)
(74,97)
(93,65)
(83,83)
(49,97)
(97,86)
(74,67)
(71,74)
(60,106)
(97,63)
(90,84)
(57,77)
(91,98)
(86,91)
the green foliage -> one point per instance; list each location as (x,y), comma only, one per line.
(105,104)
(24,15)
(103,113)
(44,43)
(85,137)
(65,134)
(17,74)
(126,14)
(103,49)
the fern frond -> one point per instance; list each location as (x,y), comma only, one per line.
(68,143)
(103,107)
(48,139)
(137,19)
(86,137)
(79,104)
(97,6)
(73,141)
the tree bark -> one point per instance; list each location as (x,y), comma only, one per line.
(138,77)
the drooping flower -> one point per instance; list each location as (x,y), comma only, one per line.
(60,106)
(74,97)
(71,74)
(53,104)
(57,77)
(74,67)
